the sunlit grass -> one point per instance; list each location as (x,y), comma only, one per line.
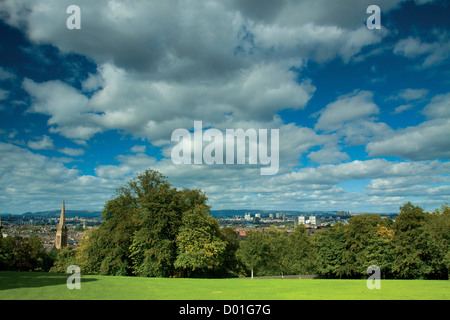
(28,285)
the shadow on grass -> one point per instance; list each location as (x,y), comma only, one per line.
(14,279)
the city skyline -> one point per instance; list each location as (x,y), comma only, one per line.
(363,114)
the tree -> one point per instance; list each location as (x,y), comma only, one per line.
(411,250)
(437,234)
(301,255)
(65,257)
(199,242)
(105,250)
(144,230)
(331,245)
(368,242)
(24,254)
(231,265)
(255,252)
(279,252)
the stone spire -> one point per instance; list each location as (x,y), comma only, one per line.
(61,231)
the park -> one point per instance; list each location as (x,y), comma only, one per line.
(47,286)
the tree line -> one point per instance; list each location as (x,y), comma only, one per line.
(152,229)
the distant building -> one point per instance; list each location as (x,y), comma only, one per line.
(312,220)
(61,231)
(301,220)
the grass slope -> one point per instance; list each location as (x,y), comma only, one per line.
(36,285)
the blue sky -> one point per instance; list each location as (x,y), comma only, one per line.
(363,115)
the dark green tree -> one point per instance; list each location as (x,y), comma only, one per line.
(24,254)
(231,265)
(199,242)
(411,252)
(256,252)
(331,245)
(65,257)
(368,242)
(301,254)
(437,234)
(144,227)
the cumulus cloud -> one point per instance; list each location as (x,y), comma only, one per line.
(426,141)
(345,109)
(34,181)
(153,109)
(429,53)
(69,111)
(72,152)
(45,143)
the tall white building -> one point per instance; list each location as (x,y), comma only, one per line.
(301,219)
(312,220)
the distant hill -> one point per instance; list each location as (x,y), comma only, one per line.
(69,214)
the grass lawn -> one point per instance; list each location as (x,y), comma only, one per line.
(37,285)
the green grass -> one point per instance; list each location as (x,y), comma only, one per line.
(36,285)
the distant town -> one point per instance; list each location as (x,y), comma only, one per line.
(44,224)
(287,221)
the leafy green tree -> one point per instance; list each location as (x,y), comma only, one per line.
(331,245)
(24,254)
(437,233)
(231,265)
(411,250)
(256,252)
(104,250)
(301,255)
(144,227)
(279,253)
(154,248)
(6,253)
(65,257)
(199,242)
(368,242)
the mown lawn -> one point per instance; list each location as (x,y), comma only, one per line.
(42,286)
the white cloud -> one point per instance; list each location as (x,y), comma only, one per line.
(412,94)
(69,111)
(72,152)
(402,108)
(5,74)
(34,182)
(3,94)
(430,53)
(331,174)
(351,107)
(328,154)
(45,143)
(438,108)
(426,141)
(153,109)
(138,149)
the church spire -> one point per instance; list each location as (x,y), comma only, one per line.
(61,231)
(62,217)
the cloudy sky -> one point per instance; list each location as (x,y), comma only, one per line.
(363,114)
